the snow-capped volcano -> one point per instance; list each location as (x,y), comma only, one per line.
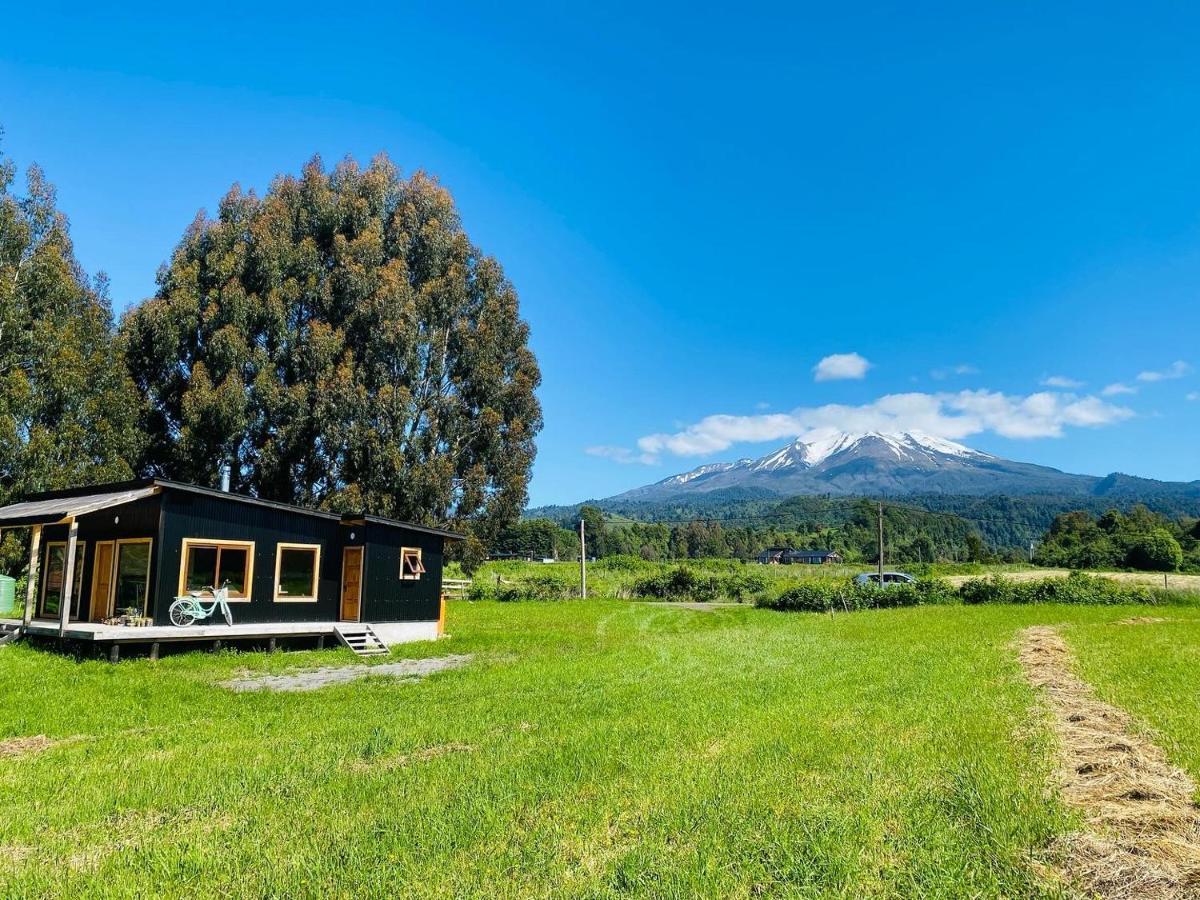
(871,463)
(909,445)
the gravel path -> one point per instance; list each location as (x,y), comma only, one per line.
(312,679)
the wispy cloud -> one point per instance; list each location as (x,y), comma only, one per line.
(1194,395)
(949,415)
(1116,389)
(622,455)
(1062,381)
(1177,369)
(960,369)
(841,366)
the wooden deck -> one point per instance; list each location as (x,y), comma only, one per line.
(91,631)
(110,638)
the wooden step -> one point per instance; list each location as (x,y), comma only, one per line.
(362,639)
(9,633)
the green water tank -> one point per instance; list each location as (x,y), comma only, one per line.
(8,595)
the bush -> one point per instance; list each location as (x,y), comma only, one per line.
(539,586)
(822,596)
(745,585)
(674,584)
(1076,588)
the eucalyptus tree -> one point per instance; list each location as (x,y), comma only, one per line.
(339,342)
(68,410)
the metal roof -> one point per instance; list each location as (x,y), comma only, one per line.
(41,509)
(47,512)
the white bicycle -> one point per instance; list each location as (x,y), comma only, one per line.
(190,609)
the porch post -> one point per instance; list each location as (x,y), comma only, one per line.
(35,546)
(68,589)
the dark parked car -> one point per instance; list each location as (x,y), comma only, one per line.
(889,578)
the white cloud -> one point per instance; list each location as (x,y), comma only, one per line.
(1194,395)
(623,455)
(949,415)
(1116,389)
(960,369)
(1177,369)
(841,366)
(1062,381)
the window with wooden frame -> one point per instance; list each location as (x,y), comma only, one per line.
(411,567)
(297,571)
(205,564)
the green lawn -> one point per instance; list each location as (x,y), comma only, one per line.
(1151,669)
(591,749)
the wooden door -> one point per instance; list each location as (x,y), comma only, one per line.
(352,566)
(102,571)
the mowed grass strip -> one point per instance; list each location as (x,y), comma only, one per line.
(1149,665)
(590,749)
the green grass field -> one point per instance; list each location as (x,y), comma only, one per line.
(590,749)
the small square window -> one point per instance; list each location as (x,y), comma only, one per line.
(297,570)
(411,567)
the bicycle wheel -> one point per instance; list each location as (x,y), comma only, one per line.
(227,613)
(181,613)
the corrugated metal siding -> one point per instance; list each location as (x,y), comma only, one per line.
(197,516)
(188,515)
(387,598)
(137,520)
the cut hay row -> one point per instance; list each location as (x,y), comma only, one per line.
(1142,836)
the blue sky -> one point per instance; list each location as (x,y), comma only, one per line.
(698,205)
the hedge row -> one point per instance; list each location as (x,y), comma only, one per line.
(822,596)
(684,583)
(1077,588)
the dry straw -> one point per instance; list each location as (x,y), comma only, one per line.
(1143,829)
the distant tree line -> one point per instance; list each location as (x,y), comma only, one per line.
(1140,539)
(1006,526)
(910,535)
(338,343)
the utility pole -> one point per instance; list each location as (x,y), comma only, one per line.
(582,562)
(881,542)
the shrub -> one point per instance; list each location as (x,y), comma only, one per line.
(822,596)
(539,586)
(679,583)
(745,585)
(809,597)
(1076,588)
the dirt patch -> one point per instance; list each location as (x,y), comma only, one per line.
(403,760)
(312,679)
(1143,828)
(1141,620)
(19,746)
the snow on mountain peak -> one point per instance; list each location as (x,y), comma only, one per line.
(804,454)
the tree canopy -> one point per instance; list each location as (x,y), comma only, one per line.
(68,411)
(341,343)
(1139,539)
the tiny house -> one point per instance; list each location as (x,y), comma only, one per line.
(107,562)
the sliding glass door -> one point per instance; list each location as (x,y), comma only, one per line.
(53,571)
(131,584)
